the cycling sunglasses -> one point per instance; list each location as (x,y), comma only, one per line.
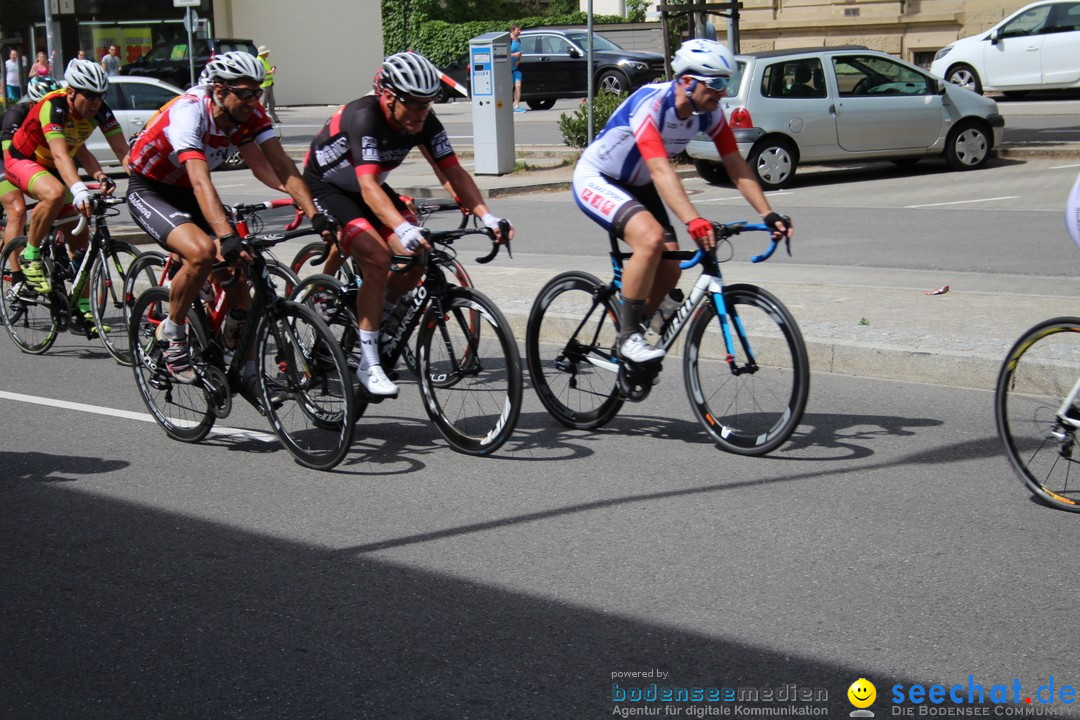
(719,83)
(91,96)
(415,105)
(245,93)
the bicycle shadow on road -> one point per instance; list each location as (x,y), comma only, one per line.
(47,467)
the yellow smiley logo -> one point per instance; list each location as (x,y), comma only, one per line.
(862,693)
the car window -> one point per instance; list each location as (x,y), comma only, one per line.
(1067,19)
(114,97)
(1030,22)
(230,46)
(870,75)
(599,42)
(144,96)
(555,45)
(802,78)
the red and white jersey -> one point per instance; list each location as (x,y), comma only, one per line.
(184,129)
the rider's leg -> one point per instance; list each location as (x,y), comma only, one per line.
(50,194)
(15,211)
(199,252)
(646,239)
(373,255)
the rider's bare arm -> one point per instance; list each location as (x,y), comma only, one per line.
(207,197)
(119,147)
(65,165)
(289,176)
(260,166)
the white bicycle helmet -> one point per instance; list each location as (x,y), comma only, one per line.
(411,74)
(234,65)
(703,57)
(86,75)
(40,86)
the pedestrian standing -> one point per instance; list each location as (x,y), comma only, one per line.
(111,62)
(268,84)
(81,55)
(41,67)
(11,75)
(515,66)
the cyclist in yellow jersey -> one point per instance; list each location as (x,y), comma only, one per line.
(46,151)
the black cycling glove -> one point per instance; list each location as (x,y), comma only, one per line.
(231,246)
(774,217)
(321,223)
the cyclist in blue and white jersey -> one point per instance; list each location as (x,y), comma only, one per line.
(625,179)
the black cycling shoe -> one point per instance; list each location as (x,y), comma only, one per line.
(249,390)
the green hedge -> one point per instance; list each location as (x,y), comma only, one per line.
(441,42)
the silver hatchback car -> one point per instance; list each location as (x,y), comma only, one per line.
(846,104)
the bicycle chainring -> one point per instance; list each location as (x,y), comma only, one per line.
(635,382)
(217,391)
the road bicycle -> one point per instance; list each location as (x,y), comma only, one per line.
(349,271)
(744,362)
(303,384)
(153,267)
(1037,410)
(34,320)
(466,357)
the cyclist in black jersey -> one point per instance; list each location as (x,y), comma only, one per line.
(346,169)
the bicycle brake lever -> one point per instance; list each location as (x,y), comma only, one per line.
(504,234)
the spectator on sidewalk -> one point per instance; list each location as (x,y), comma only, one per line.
(268,84)
(515,66)
(41,67)
(111,61)
(11,77)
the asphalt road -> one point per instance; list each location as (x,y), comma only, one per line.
(888,540)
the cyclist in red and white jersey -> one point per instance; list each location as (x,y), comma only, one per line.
(172,198)
(347,167)
(624,179)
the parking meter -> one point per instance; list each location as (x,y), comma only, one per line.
(492,103)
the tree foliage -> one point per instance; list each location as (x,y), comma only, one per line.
(575,127)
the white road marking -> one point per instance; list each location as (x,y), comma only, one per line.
(962,202)
(1064,167)
(127,414)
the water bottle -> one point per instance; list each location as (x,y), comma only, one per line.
(667,310)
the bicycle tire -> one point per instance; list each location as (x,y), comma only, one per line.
(28,316)
(1037,376)
(301,267)
(751,412)
(182,410)
(301,363)
(470,381)
(569,342)
(108,298)
(144,273)
(284,279)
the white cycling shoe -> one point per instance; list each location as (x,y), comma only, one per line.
(376,383)
(636,349)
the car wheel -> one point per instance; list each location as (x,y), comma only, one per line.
(968,146)
(613,81)
(711,172)
(966,77)
(234,162)
(545,104)
(773,163)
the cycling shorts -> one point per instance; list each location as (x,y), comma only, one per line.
(611,205)
(159,209)
(23,173)
(349,208)
(6,187)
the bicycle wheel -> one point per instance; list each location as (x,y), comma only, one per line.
(181,409)
(144,273)
(28,317)
(470,381)
(301,266)
(284,279)
(108,302)
(569,343)
(752,406)
(306,384)
(329,300)
(1037,428)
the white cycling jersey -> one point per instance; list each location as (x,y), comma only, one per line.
(1072,212)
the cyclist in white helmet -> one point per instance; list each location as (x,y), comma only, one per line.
(46,151)
(347,167)
(172,197)
(624,180)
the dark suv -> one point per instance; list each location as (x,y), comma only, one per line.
(554,66)
(168,61)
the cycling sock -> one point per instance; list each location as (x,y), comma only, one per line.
(172,331)
(31,253)
(369,349)
(631,317)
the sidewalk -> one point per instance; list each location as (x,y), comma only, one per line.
(857,321)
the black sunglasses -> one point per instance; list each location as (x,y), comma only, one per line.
(91,96)
(415,105)
(245,93)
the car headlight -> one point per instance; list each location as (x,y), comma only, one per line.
(634,65)
(943,52)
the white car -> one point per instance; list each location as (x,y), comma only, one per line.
(133,100)
(1037,48)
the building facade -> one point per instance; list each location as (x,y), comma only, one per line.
(326,51)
